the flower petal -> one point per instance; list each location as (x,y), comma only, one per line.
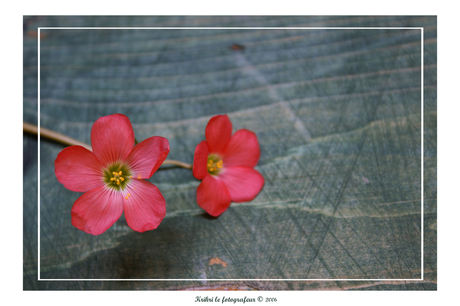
(145,206)
(218,133)
(147,156)
(78,169)
(213,196)
(96,210)
(200,160)
(112,138)
(242,150)
(243,183)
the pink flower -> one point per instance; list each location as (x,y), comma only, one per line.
(111,177)
(226,164)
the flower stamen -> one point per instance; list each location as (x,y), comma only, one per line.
(117,176)
(215,164)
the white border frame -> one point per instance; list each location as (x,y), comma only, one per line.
(239,28)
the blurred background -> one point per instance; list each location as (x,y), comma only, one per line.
(338,117)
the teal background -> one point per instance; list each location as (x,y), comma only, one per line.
(338,117)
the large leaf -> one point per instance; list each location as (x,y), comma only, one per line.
(338,116)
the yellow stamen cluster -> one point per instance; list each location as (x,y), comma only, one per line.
(117,177)
(215,164)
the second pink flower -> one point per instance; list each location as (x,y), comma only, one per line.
(226,164)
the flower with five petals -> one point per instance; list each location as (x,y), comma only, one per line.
(225,164)
(111,177)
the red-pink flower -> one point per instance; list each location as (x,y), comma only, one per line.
(111,177)
(226,164)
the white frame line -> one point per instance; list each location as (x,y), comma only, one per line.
(238,28)
(422,153)
(38,166)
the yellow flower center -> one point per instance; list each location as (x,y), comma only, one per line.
(215,164)
(117,176)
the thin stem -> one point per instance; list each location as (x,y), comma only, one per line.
(177,163)
(53,136)
(33,129)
